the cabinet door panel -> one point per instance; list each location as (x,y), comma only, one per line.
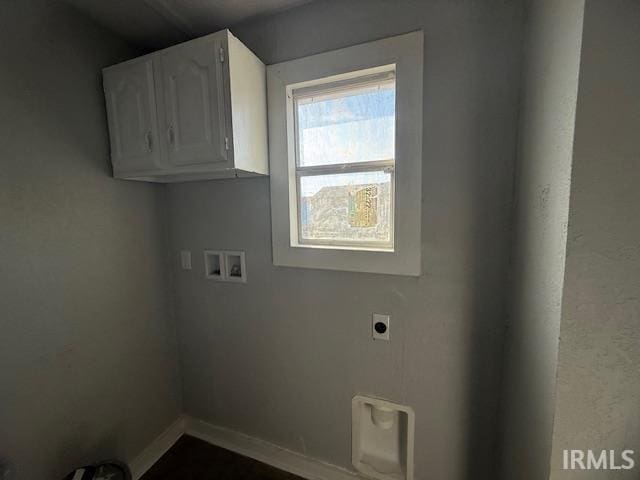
(194,110)
(130,97)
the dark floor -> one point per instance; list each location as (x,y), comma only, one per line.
(191,458)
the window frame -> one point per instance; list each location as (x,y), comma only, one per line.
(402,54)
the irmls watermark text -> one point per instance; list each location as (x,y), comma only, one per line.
(598,460)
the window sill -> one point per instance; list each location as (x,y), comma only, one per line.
(349,260)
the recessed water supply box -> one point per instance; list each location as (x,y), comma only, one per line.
(214,266)
(382,438)
(235,267)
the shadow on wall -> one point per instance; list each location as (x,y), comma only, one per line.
(88,360)
(56,119)
(490,187)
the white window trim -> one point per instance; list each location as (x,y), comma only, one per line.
(403,51)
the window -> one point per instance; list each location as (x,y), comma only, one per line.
(345,157)
(345,130)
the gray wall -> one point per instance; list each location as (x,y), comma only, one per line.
(599,359)
(547,117)
(281,357)
(88,356)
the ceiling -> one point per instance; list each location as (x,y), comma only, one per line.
(153,24)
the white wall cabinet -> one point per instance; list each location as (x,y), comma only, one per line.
(190,112)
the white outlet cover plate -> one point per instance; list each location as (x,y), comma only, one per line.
(185,259)
(386,319)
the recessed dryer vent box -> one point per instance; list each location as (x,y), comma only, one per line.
(382,438)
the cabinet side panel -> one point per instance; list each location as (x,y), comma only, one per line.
(249,108)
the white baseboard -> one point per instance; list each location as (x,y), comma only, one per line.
(157,448)
(260,450)
(266,452)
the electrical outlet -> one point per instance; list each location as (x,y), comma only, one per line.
(380,326)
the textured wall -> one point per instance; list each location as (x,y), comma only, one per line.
(547,116)
(599,358)
(281,357)
(88,357)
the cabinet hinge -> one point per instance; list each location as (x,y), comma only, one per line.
(226,143)
(221,54)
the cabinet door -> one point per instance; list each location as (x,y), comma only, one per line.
(194,106)
(131,109)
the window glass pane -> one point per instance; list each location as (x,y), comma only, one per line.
(345,208)
(352,125)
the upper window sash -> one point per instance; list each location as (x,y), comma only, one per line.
(324,90)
